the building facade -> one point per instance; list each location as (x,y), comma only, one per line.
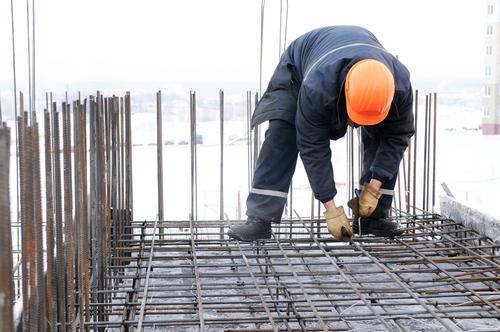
(491,96)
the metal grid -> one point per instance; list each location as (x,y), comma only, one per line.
(438,276)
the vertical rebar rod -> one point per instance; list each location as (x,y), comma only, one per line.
(85,216)
(22,210)
(34,55)
(221,188)
(121,147)
(194,186)
(257,135)
(249,141)
(100,184)
(49,228)
(105,105)
(60,259)
(130,187)
(29,250)
(30,110)
(399,190)
(159,156)
(68,211)
(7,292)
(256,139)
(415,156)
(96,231)
(14,81)
(41,294)
(351,158)
(425,152)
(434,155)
(404,182)
(409,179)
(427,184)
(77,219)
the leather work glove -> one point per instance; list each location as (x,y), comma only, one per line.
(338,225)
(368,200)
(353,204)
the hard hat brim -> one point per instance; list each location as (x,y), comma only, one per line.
(366,120)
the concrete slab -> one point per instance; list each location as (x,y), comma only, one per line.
(481,222)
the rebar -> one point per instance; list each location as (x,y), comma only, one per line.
(49,229)
(438,274)
(221,179)
(159,156)
(194,161)
(7,285)
(68,211)
(237,283)
(41,291)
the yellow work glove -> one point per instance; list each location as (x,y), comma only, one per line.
(338,225)
(368,200)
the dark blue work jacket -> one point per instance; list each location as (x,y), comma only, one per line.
(307,90)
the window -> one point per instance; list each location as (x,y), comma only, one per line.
(487,91)
(490,9)
(486,111)
(489,50)
(489,29)
(487,70)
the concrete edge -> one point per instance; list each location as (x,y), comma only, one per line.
(482,223)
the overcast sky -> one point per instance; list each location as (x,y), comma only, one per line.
(188,40)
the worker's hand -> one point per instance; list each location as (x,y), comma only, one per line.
(337,223)
(368,200)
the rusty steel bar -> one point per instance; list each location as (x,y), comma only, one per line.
(7,291)
(249,140)
(159,156)
(424,207)
(146,282)
(256,139)
(121,147)
(94,227)
(263,301)
(22,215)
(434,154)
(428,148)
(60,259)
(129,179)
(49,229)
(41,291)
(415,155)
(221,174)
(85,216)
(78,210)
(408,190)
(68,211)
(194,170)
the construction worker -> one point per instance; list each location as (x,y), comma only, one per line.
(327,79)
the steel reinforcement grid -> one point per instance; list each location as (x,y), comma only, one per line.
(437,276)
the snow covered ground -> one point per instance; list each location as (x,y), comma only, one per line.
(467,161)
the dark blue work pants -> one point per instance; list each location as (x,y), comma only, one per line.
(276,165)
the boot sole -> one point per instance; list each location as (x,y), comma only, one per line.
(236,236)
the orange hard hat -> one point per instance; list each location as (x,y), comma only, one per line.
(369,89)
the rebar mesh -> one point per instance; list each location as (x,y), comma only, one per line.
(438,276)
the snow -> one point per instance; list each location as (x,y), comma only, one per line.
(467,161)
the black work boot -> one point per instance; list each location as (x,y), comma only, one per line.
(251,230)
(377,227)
